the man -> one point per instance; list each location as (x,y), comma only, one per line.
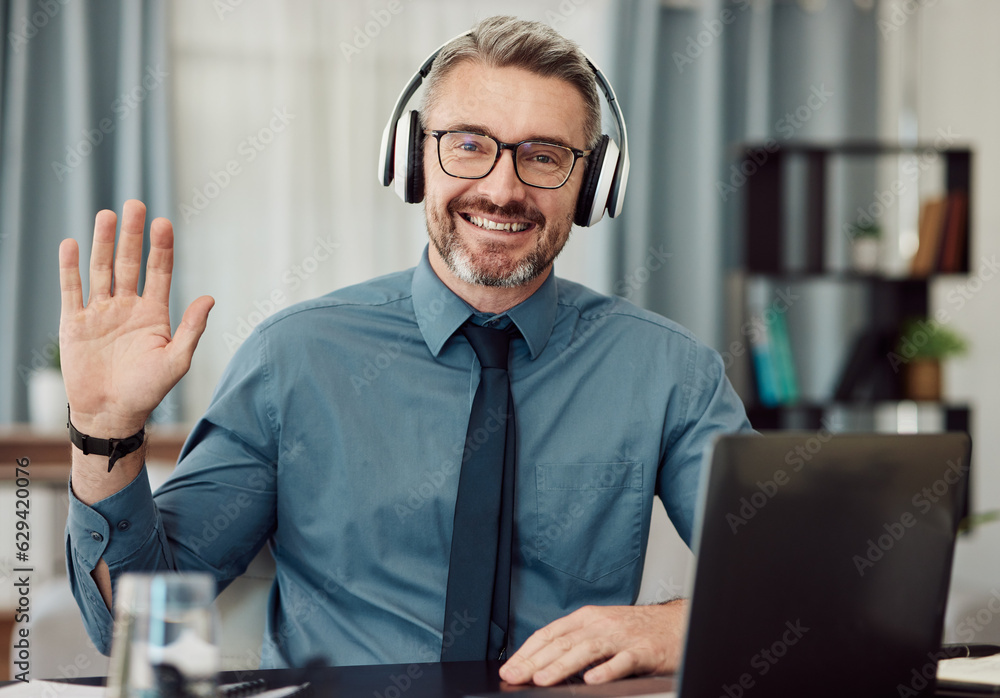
(354,482)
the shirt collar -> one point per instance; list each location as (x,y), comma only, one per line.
(440,312)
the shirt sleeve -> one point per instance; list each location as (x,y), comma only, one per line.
(125,530)
(212,515)
(710,407)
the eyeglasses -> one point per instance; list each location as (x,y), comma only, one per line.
(468,155)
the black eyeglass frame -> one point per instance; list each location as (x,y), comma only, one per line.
(512,147)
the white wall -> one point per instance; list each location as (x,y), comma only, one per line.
(959,89)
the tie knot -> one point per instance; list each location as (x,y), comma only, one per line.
(491,345)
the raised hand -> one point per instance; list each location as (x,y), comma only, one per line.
(117,354)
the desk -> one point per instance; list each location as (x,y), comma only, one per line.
(444,680)
(430,680)
(436,680)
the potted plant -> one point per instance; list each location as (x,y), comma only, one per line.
(923,346)
(865,240)
(47,393)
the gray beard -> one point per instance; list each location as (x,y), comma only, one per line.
(490,269)
(460,262)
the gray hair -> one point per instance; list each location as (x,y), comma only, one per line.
(508,42)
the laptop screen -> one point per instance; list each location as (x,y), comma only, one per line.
(823,564)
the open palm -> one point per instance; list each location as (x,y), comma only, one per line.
(118,357)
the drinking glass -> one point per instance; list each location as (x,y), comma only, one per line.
(164,637)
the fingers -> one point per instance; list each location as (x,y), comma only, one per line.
(620,666)
(69,276)
(544,657)
(118,273)
(101,256)
(564,657)
(128,261)
(160,264)
(546,637)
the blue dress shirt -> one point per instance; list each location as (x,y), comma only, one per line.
(336,433)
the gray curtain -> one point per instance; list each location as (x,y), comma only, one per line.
(83,126)
(675,135)
(695,83)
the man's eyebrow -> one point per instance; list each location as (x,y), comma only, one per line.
(479,128)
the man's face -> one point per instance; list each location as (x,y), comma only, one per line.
(467,218)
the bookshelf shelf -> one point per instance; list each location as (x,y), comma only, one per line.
(813,416)
(800,208)
(849,276)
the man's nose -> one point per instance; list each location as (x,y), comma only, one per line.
(502,185)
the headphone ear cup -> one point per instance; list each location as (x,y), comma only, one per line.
(591,178)
(408,158)
(415,161)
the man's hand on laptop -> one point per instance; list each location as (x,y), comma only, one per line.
(616,641)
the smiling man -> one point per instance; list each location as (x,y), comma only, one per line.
(467,502)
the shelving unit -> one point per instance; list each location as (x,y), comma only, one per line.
(891,299)
(786,239)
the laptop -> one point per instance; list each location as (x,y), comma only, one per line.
(823,564)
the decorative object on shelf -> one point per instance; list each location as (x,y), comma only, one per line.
(923,345)
(943,235)
(974,521)
(866,239)
(931,231)
(770,350)
(47,395)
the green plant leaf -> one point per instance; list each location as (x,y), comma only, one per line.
(924,339)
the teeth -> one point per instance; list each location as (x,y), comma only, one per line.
(491,225)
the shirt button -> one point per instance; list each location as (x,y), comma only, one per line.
(123,525)
(96,536)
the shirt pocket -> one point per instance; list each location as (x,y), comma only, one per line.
(589,517)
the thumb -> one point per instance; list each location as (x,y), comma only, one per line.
(189,331)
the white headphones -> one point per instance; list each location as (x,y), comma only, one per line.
(401,158)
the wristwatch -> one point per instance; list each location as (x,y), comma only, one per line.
(112,448)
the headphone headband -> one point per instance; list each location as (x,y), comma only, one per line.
(604,185)
(617,197)
(385,164)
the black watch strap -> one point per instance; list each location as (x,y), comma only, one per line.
(112,448)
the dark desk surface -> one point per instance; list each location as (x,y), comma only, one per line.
(447,680)
(434,680)
(444,680)
(458,679)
